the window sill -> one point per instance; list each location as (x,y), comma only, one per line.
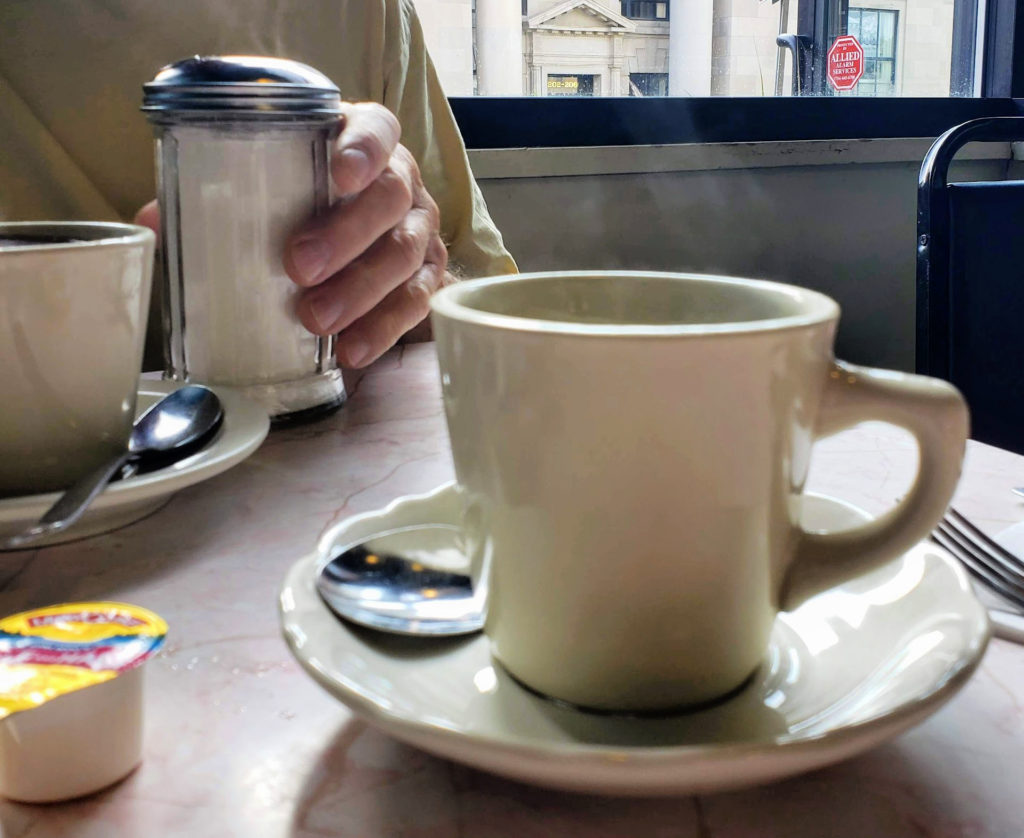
(493,164)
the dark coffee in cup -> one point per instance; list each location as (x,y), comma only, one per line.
(32,240)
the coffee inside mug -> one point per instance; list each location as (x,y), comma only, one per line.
(639,300)
(44,236)
(26,241)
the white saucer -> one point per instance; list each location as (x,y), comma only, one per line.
(848,670)
(245,426)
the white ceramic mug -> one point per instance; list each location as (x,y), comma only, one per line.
(632,448)
(74,298)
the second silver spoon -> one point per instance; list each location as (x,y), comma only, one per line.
(397,582)
(171,427)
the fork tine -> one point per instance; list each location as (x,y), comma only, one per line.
(1000,554)
(1009,577)
(979,569)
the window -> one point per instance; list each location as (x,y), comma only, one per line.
(645,9)
(726,77)
(648,84)
(563,84)
(876,30)
(708,48)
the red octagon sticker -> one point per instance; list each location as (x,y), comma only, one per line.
(845,62)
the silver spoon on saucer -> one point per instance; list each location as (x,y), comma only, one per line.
(397,582)
(178,424)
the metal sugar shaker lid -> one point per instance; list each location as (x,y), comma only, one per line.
(244,87)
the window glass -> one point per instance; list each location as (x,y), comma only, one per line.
(565,84)
(876,30)
(645,9)
(648,84)
(701,47)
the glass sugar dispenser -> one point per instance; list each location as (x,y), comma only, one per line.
(243,146)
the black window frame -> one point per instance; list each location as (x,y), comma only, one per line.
(561,122)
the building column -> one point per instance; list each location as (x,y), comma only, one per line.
(689,48)
(499,48)
(537,85)
(615,81)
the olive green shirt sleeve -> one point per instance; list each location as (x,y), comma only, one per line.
(413,93)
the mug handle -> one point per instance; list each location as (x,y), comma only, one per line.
(935,413)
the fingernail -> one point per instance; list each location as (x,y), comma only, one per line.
(326,311)
(310,258)
(356,352)
(355,165)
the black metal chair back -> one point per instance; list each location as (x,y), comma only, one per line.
(970,283)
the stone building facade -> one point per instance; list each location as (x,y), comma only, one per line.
(588,47)
(655,48)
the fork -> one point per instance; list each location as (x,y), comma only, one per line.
(990,563)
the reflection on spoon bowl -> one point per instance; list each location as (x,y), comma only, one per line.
(406,581)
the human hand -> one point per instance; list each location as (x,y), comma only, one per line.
(371,263)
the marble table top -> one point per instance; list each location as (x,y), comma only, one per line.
(240,742)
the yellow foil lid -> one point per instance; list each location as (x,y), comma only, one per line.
(48,652)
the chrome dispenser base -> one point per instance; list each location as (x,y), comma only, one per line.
(306,415)
(291,402)
(301,399)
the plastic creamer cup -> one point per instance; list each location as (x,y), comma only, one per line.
(71,697)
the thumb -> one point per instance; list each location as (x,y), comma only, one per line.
(149,216)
